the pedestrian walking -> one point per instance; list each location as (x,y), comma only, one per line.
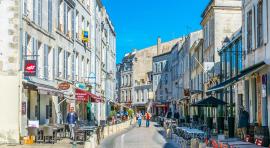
(72,120)
(147,117)
(139,118)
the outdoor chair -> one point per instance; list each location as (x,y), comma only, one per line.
(79,135)
(66,131)
(48,134)
(33,131)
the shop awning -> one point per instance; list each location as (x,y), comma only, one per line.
(209,102)
(192,92)
(223,85)
(250,70)
(49,91)
(82,95)
(243,73)
(95,98)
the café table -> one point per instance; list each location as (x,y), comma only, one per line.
(87,130)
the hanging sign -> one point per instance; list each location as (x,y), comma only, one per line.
(63,86)
(30,68)
(85,36)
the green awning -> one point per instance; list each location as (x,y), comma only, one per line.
(209,102)
(248,71)
(224,84)
(252,69)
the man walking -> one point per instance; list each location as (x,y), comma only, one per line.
(147,117)
(72,120)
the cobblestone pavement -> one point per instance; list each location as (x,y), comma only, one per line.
(65,143)
(139,137)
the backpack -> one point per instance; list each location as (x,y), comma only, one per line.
(147,116)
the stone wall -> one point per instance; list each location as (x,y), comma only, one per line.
(9,75)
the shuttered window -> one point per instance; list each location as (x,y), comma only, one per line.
(34,10)
(25,7)
(73,24)
(73,66)
(260,24)
(65,64)
(40,12)
(46,48)
(25,45)
(65,18)
(50,15)
(249,31)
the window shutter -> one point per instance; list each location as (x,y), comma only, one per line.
(65,18)
(45,61)
(33,47)
(34,10)
(56,63)
(25,7)
(265,19)
(25,45)
(73,24)
(50,15)
(40,12)
(58,14)
(73,66)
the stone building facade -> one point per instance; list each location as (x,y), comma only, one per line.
(49,32)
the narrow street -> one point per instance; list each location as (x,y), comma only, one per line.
(139,137)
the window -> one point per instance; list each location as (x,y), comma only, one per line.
(259,24)
(249,31)
(50,15)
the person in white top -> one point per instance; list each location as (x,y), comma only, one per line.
(139,118)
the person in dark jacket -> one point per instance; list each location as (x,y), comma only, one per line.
(72,120)
(243,121)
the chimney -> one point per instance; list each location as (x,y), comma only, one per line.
(159,46)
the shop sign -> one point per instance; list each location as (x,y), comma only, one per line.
(85,36)
(63,86)
(81,95)
(30,68)
(81,85)
(23,108)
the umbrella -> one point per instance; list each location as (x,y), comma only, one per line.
(209,102)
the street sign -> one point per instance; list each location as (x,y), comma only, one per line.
(30,68)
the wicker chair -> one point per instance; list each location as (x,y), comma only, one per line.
(48,134)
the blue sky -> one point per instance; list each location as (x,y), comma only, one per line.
(138,23)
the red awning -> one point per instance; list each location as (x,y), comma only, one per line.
(95,98)
(82,95)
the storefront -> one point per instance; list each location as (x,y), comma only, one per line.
(84,104)
(40,102)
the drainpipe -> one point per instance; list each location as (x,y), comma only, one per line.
(21,67)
